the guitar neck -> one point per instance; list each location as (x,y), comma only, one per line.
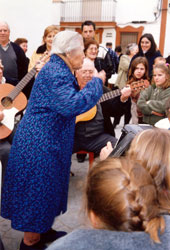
(109,95)
(19,87)
(135,86)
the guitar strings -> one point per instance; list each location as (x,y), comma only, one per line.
(22,84)
(26,79)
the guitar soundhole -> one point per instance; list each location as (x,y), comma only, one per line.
(6,101)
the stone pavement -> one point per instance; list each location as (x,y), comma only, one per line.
(74,217)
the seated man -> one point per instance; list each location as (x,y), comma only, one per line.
(91,135)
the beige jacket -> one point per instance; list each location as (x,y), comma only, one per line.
(33,60)
(123,71)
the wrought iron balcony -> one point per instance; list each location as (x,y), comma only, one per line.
(94,10)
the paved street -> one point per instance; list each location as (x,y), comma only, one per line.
(74,217)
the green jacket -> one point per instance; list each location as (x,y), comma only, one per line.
(157,98)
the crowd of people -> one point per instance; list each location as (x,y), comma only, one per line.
(126,198)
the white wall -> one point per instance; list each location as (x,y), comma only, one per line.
(143,10)
(167,41)
(29,18)
(135,10)
(109,35)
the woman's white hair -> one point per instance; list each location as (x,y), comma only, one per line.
(66,41)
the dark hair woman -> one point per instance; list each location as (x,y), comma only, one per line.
(148,49)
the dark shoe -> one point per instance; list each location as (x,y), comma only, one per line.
(51,236)
(81,157)
(37,246)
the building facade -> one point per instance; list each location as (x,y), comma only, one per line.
(117,21)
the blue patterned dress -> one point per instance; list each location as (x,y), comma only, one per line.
(37,175)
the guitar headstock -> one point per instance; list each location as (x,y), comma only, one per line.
(45,57)
(42,61)
(137,86)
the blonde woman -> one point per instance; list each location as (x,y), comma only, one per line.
(43,50)
(122,205)
(48,37)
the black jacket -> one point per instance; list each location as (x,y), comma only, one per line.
(92,127)
(22,63)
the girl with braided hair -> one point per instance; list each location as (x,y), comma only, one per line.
(122,205)
(151,148)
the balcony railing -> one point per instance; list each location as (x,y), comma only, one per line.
(94,10)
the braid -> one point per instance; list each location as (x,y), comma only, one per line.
(122,194)
(145,211)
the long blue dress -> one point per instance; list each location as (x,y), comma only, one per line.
(37,175)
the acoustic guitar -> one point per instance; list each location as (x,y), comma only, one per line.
(136,87)
(13,101)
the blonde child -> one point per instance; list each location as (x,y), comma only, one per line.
(159,60)
(153,99)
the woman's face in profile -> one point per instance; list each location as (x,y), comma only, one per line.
(145,44)
(24,46)
(134,51)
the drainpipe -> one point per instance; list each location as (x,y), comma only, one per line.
(163,25)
